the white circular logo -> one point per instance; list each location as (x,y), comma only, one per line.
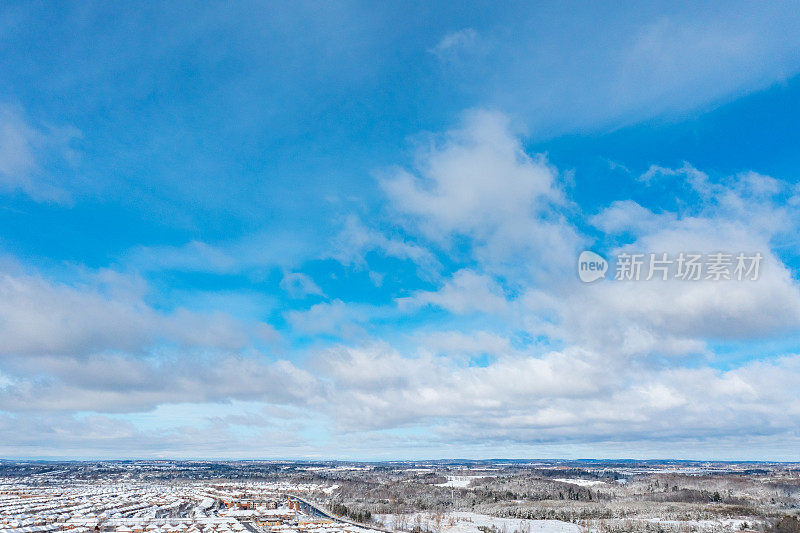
(591,267)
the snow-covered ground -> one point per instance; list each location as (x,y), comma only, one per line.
(460,482)
(464,522)
(331,489)
(723,524)
(580,482)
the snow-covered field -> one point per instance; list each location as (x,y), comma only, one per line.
(723,524)
(580,482)
(460,482)
(464,522)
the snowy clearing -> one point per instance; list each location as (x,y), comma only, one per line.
(460,482)
(464,522)
(330,490)
(580,482)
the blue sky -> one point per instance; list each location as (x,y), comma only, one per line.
(350,230)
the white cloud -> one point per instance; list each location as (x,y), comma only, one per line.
(377,387)
(560,397)
(475,181)
(618,68)
(456,43)
(93,436)
(40,317)
(299,285)
(330,318)
(26,152)
(286,249)
(742,213)
(465,292)
(120,383)
(356,240)
(699,181)
(627,216)
(479,183)
(569,363)
(456,344)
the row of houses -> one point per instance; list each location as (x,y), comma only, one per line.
(142,507)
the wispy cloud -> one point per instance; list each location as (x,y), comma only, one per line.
(30,157)
(456,43)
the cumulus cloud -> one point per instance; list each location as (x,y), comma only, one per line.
(605,385)
(377,387)
(560,397)
(745,213)
(476,180)
(479,183)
